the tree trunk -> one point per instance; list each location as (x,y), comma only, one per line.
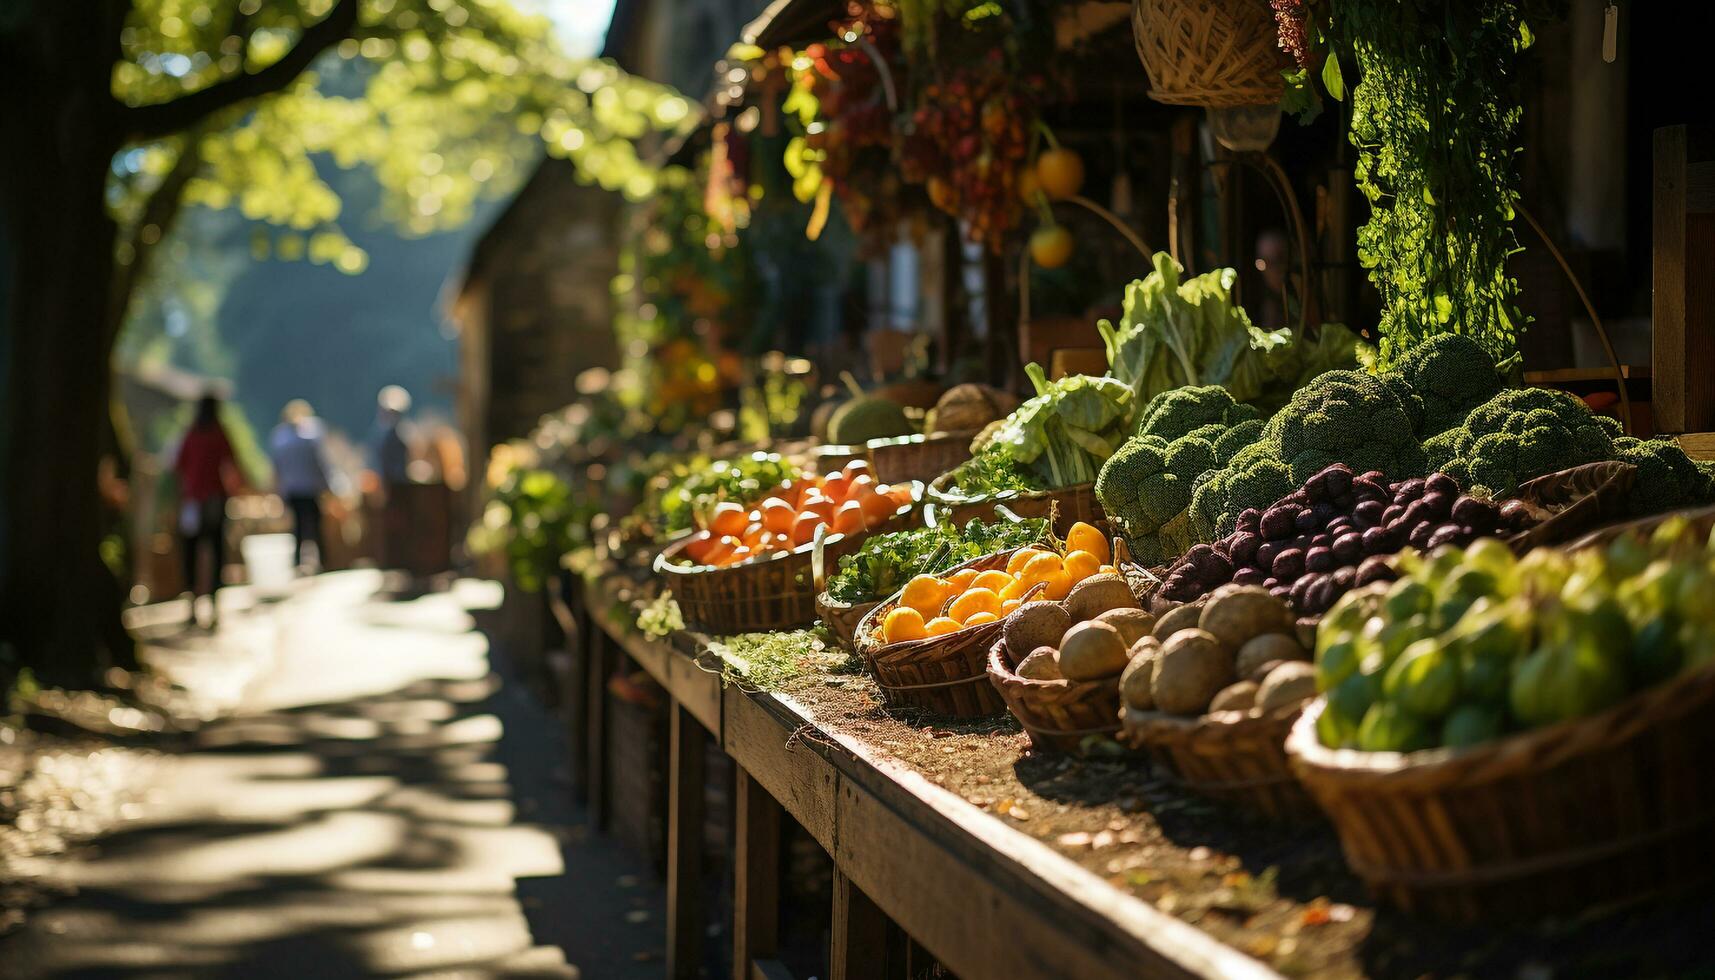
(59,606)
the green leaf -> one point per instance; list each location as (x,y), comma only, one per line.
(1331,78)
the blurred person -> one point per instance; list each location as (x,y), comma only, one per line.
(389,459)
(300,475)
(208,474)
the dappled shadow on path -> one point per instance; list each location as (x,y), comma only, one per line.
(358,815)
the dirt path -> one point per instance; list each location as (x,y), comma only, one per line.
(371,796)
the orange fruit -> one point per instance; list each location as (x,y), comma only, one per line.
(994,580)
(1014,591)
(1020,558)
(902,623)
(1008,605)
(804,527)
(778,515)
(835,487)
(1107,570)
(940,626)
(752,533)
(972,601)
(977,619)
(849,518)
(856,466)
(1028,186)
(962,579)
(1060,173)
(1085,537)
(698,547)
(1051,246)
(728,518)
(740,553)
(1059,586)
(720,553)
(926,594)
(876,509)
(1041,567)
(1080,565)
(860,486)
(900,493)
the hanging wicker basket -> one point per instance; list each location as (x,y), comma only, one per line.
(774,592)
(1217,54)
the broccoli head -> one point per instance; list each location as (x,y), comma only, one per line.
(1180,411)
(1522,433)
(1146,485)
(1346,417)
(1451,374)
(1256,476)
(1667,478)
(1237,437)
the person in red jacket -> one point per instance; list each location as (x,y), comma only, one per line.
(208,474)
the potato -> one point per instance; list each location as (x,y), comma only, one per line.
(1035,624)
(1292,683)
(1176,619)
(1097,594)
(1261,650)
(1041,665)
(1192,669)
(1238,696)
(1246,611)
(1133,624)
(1092,651)
(1135,680)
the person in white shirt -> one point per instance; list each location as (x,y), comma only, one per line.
(300,473)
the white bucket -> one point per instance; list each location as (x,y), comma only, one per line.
(269,560)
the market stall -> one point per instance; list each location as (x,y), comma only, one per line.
(1112,611)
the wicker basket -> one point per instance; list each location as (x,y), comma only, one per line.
(1060,714)
(1212,53)
(944,674)
(1574,501)
(842,618)
(776,592)
(1070,504)
(921,457)
(1595,811)
(1227,755)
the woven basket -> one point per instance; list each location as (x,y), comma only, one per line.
(776,592)
(1227,755)
(1575,500)
(921,457)
(944,674)
(1212,53)
(1058,715)
(1595,811)
(1070,504)
(842,618)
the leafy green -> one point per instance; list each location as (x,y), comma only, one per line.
(1060,437)
(887,561)
(770,661)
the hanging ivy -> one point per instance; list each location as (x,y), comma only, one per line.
(1435,119)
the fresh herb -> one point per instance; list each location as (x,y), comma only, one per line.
(536,519)
(661,616)
(1435,118)
(768,661)
(887,561)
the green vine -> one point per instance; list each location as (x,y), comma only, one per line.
(1435,118)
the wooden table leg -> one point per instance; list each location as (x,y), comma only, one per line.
(756,875)
(595,718)
(687,740)
(858,949)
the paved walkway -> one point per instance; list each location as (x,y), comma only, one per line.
(371,796)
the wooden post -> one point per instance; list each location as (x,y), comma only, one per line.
(687,741)
(1683,331)
(858,950)
(599,665)
(756,874)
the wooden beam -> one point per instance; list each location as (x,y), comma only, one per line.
(599,666)
(857,949)
(756,874)
(686,920)
(1683,304)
